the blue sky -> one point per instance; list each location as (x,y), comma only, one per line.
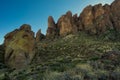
(14,13)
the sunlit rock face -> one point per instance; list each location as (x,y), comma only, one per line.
(115,9)
(66,24)
(87,18)
(19,47)
(92,20)
(52,30)
(96,19)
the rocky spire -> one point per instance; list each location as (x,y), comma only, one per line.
(51,31)
(93,20)
(66,24)
(39,36)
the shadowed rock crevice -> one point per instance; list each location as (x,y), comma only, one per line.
(2,52)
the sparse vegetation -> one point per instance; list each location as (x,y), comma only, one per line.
(74,57)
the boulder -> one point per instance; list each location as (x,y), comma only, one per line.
(19,47)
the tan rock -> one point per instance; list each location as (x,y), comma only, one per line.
(98,10)
(115,9)
(87,18)
(66,24)
(51,31)
(93,20)
(103,19)
(96,19)
(19,47)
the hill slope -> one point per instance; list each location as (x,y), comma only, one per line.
(74,57)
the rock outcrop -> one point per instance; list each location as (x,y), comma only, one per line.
(52,29)
(19,47)
(86,19)
(66,24)
(115,12)
(96,19)
(39,36)
(93,20)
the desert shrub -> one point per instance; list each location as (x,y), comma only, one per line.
(110,35)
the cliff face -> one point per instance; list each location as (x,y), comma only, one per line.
(66,24)
(115,11)
(93,20)
(96,19)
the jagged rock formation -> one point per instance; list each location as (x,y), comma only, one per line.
(20,43)
(19,47)
(115,11)
(39,36)
(93,20)
(96,20)
(66,24)
(52,30)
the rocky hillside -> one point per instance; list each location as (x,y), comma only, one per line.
(85,47)
(74,57)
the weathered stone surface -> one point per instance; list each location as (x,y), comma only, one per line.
(98,10)
(77,23)
(25,27)
(39,36)
(93,20)
(115,9)
(96,19)
(66,24)
(51,31)
(87,18)
(101,18)
(19,47)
